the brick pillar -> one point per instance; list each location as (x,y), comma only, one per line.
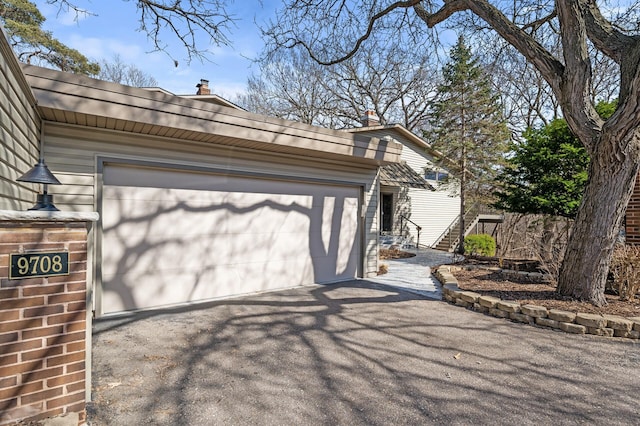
(632,227)
(43,321)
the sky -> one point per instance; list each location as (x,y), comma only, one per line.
(114,31)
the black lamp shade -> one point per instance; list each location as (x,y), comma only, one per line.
(40,173)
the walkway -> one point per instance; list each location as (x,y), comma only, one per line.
(414,274)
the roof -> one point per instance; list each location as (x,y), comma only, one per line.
(211,98)
(83,101)
(214,99)
(400,174)
(407,134)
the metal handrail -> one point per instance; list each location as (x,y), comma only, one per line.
(418,229)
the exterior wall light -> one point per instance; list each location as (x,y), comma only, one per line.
(40,173)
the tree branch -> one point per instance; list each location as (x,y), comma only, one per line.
(609,40)
(579,111)
(362,38)
(539,22)
(551,69)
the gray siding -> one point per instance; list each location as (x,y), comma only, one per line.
(72,154)
(19,132)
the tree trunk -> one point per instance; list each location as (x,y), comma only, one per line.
(548,239)
(463,225)
(586,262)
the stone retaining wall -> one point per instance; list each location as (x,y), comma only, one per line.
(570,322)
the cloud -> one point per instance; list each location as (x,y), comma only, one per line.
(106,48)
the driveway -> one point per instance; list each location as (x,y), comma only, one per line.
(356,353)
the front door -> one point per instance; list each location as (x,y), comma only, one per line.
(386,211)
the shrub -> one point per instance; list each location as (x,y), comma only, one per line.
(383,269)
(625,269)
(480,244)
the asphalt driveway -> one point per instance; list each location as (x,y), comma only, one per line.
(356,353)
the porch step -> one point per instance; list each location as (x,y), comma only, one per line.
(388,241)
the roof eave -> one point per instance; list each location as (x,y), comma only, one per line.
(72,99)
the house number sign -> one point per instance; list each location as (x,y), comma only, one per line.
(28,265)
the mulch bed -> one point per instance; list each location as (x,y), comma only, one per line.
(493,283)
(386,254)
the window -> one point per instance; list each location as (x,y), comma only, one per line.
(436,175)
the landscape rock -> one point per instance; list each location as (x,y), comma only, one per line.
(508,306)
(561,316)
(547,322)
(534,311)
(488,301)
(573,328)
(619,323)
(469,296)
(591,320)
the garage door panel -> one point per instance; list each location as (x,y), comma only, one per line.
(169,287)
(173,237)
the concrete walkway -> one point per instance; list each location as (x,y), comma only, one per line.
(414,273)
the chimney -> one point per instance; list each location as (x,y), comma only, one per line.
(369,119)
(203,87)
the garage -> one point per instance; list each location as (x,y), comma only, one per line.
(200,201)
(172,236)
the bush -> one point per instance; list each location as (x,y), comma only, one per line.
(625,269)
(480,244)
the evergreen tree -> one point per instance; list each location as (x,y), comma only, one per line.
(547,172)
(468,127)
(23,23)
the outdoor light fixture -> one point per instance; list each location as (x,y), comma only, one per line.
(40,173)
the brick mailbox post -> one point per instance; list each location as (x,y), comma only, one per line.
(43,316)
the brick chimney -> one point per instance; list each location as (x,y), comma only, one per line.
(369,119)
(203,87)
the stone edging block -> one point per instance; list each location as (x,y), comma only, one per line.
(569,322)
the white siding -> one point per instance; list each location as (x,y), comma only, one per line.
(19,132)
(434,211)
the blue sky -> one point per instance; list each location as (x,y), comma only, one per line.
(114,31)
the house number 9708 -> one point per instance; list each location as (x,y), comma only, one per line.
(27,265)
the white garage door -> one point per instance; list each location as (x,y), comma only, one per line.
(173,237)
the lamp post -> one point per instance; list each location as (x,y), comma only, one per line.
(40,173)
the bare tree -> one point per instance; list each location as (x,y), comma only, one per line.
(182,20)
(128,74)
(334,31)
(293,87)
(395,81)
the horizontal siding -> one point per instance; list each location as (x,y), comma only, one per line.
(371,232)
(19,133)
(416,158)
(433,211)
(72,154)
